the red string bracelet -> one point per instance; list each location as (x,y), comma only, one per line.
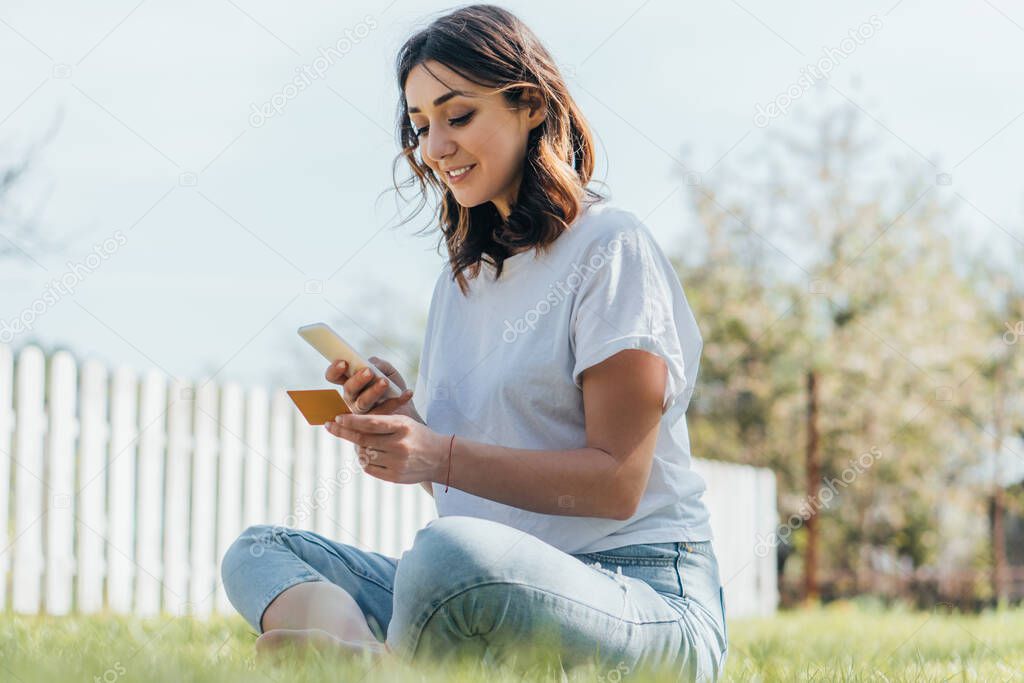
(448,478)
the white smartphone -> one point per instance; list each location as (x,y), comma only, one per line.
(332,347)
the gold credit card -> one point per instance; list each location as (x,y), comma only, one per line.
(319,405)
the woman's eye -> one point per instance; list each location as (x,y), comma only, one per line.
(460,121)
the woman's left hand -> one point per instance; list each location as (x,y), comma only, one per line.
(394,448)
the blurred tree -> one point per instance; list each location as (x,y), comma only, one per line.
(838,325)
(999,412)
(12,228)
(20,231)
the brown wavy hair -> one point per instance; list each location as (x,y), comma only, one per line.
(491,47)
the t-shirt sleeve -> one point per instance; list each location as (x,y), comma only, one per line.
(630,298)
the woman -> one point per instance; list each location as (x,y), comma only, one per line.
(559,358)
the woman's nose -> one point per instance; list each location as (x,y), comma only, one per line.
(439,146)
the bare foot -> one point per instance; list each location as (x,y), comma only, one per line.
(278,641)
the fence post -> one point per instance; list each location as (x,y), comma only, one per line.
(326,486)
(346,528)
(767,515)
(149,531)
(204,493)
(62,433)
(29,432)
(369,510)
(6,430)
(280,485)
(177,472)
(303,472)
(121,567)
(229,483)
(256,458)
(91,524)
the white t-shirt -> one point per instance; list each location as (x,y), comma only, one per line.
(502,366)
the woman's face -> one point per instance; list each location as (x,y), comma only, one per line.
(470,129)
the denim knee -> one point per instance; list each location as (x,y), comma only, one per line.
(246,549)
(454,586)
(450,547)
(444,555)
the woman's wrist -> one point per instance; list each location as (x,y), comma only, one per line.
(448,468)
(443,454)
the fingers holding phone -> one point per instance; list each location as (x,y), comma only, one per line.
(363,391)
(380,389)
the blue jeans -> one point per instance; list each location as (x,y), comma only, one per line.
(480,588)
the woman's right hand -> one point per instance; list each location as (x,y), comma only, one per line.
(362,390)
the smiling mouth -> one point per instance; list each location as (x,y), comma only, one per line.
(457,174)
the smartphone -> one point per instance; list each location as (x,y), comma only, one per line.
(332,347)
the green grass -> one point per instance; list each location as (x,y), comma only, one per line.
(841,642)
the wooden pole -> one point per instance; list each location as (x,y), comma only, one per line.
(813,484)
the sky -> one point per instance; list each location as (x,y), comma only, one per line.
(200,229)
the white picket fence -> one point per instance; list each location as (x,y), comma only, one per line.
(122,493)
(744,520)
